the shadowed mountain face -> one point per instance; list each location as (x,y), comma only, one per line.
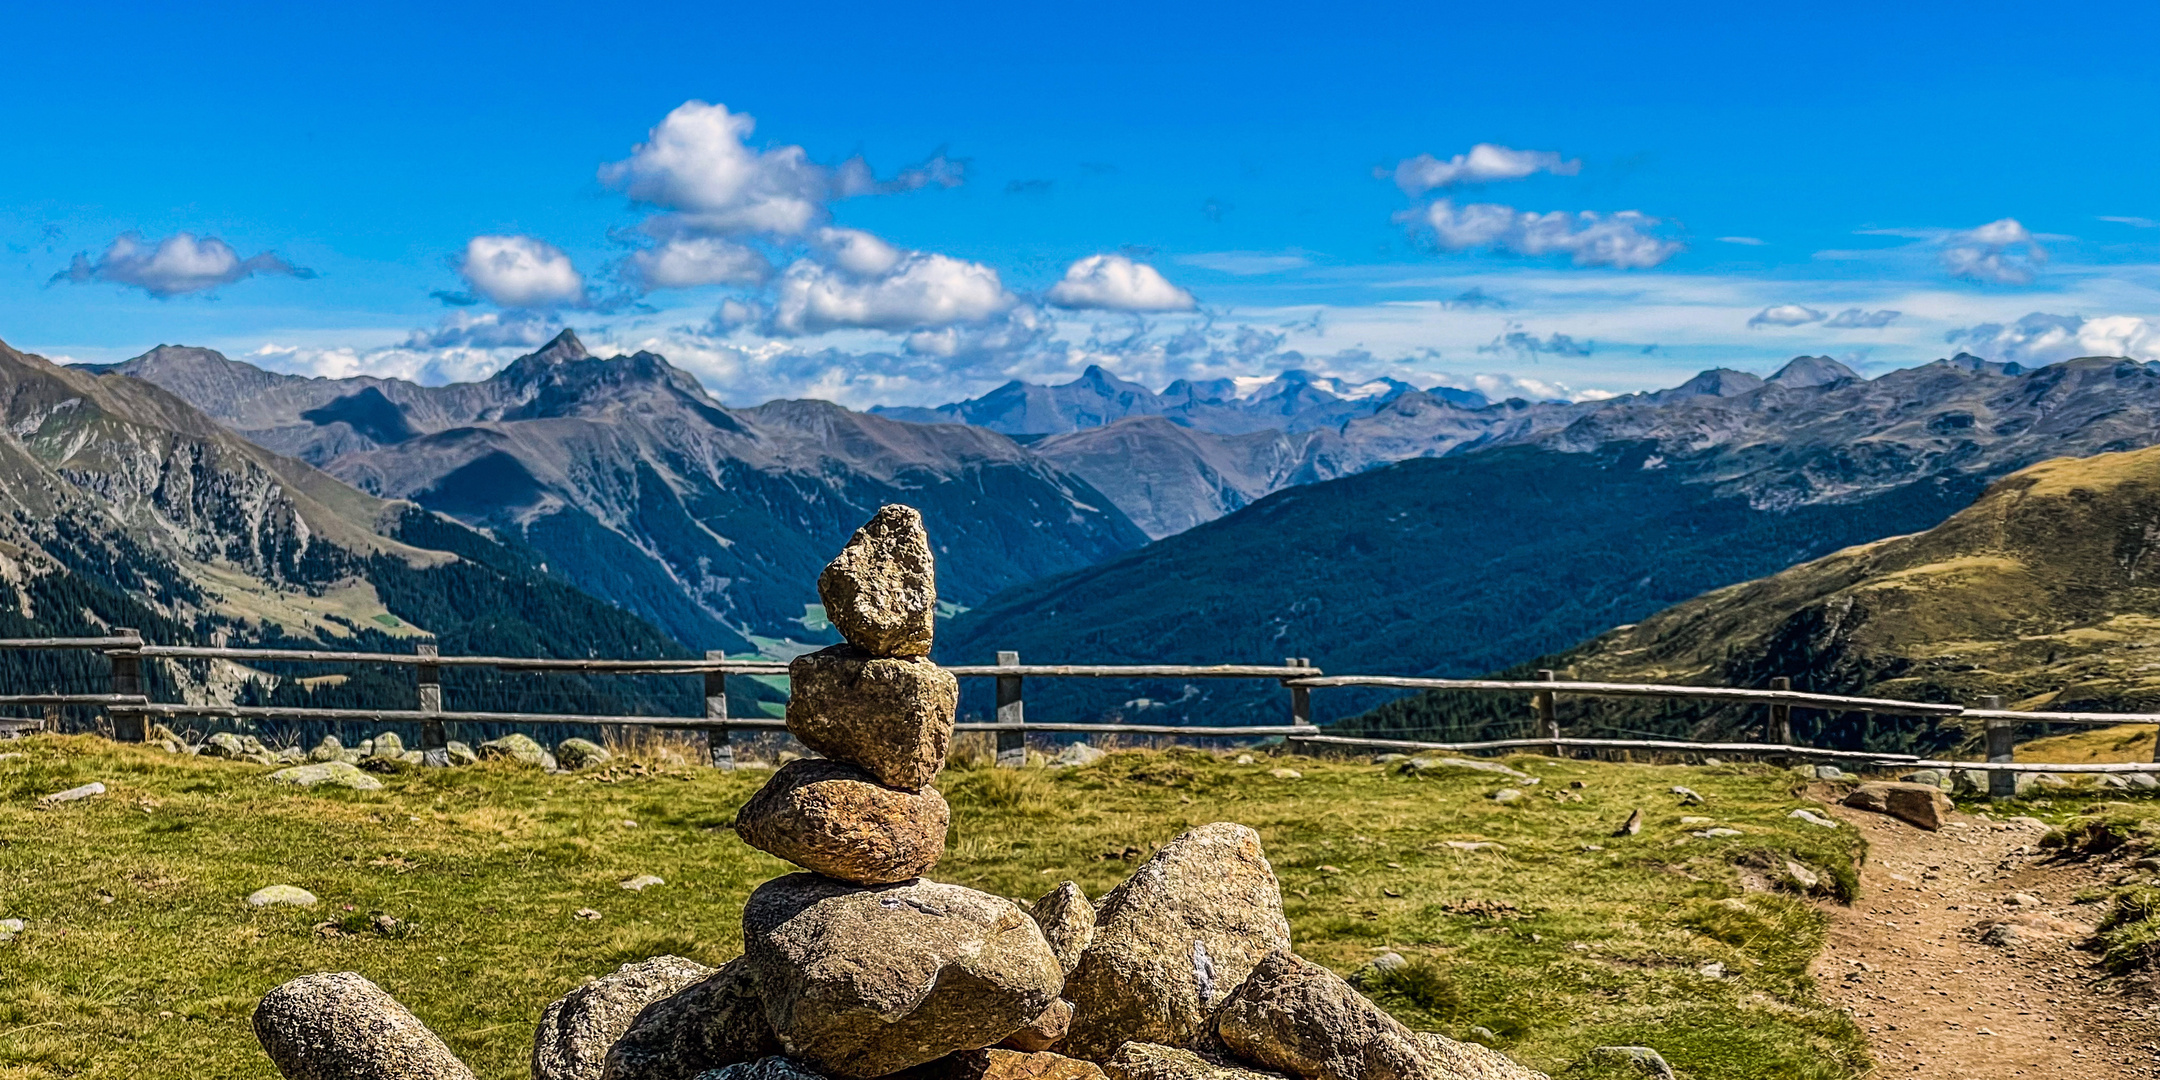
(1563,521)
(640,488)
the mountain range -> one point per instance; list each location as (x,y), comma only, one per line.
(635,485)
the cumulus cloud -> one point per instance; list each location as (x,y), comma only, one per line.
(487,330)
(1484,163)
(2041,338)
(175,266)
(858,252)
(1019,330)
(690,261)
(1116,283)
(922,291)
(1997,253)
(1853,318)
(521,272)
(1532,346)
(1627,240)
(1786,315)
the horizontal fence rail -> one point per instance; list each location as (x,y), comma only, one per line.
(131,711)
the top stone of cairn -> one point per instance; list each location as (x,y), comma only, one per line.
(880,592)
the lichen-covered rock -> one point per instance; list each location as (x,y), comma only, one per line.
(1067,922)
(1172,940)
(327,773)
(339,1026)
(1923,805)
(1639,1060)
(860,982)
(1153,1061)
(518,748)
(460,754)
(880,592)
(329,749)
(576,754)
(576,1031)
(1294,1015)
(891,715)
(229,746)
(1469,1061)
(834,819)
(387,744)
(1044,1031)
(712,1023)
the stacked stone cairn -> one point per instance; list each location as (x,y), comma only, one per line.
(861,967)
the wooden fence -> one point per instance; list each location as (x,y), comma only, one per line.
(131,712)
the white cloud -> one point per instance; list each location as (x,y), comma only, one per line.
(1499,386)
(487,330)
(858,252)
(695,163)
(1626,240)
(521,272)
(1018,331)
(1853,318)
(2040,338)
(1116,283)
(1998,253)
(1785,315)
(1245,263)
(1484,163)
(923,290)
(179,264)
(2134,222)
(689,261)
(1747,241)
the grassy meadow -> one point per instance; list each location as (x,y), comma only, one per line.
(1528,925)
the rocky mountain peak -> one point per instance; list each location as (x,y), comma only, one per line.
(564,348)
(1806,371)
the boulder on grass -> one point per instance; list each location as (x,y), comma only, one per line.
(834,819)
(329,749)
(576,754)
(339,1026)
(1922,805)
(326,774)
(714,1022)
(880,592)
(1296,1016)
(1172,940)
(577,1031)
(519,748)
(1152,1061)
(861,982)
(890,715)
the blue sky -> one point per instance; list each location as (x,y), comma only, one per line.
(1166,189)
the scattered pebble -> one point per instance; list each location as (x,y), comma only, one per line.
(1507,795)
(1813,818)
(1713,970)
(2022,900)
(281,895)
(1688,796)
(1326,869)
(629,824)
(1475,845)
(9,928)
(1285,774)
(1712,834)
(585,913)
(73,794)
(641,882)
(1246,759)
(1695,821)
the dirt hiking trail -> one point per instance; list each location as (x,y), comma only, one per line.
(1960,959)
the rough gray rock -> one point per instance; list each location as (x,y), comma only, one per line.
(1830,772)
(339,1026)
(880,592)
(332,773)
(1067,922)
(1642,1059)
(233,747)
(1175,937)
(714,1022)
(1044,1031)
(576,754)
(1294,1015)
(329,749)
(1418,765)
(1922,805)
(281,896)
(1077,755)
(577,1031)
(74,794)
(1469,1061)
(1153,1061)
(891,715)
(1003,1064)
(1813,818)
(387,744)
(519,748)
(834,819)
(460,754)
(764,1068)
(861,982)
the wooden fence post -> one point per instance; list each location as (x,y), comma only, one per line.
(1548,712)
(434,738)
(719,748)
(1780,714)
(2001,746)
(127,679)
(1300,696)
(1011,745)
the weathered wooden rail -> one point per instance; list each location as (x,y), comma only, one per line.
(131,712)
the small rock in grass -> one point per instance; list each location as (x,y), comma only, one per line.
(1080,754)
(1921,805)
(1376,967)
(1246,759)
(1632,826)
(332,773)
(880,592)
(641,882)
(576,1031)
(832,818)
(281,896)
(585,914)
(1813,818)
(1830,772)
(74,794)
(711,1023)
(1688,796)
(1433,765)
(1713,970)
(1506,795)
(340,1026)
(1285,774)
(9,928)
(460,754)
(519,748)
(578,754)
(329,749)
(1807,879)
(1643,1060)
(1294,1015)
(1695,821)
(387,744)
(1714,833)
